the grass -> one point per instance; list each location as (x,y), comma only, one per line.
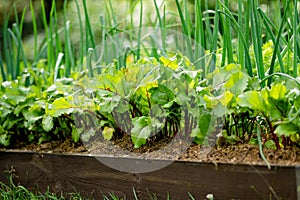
(18,192)
(11,191)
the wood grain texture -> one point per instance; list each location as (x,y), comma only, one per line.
(87,175)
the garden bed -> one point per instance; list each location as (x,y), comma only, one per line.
(200,103)
(236,154)
(233,172)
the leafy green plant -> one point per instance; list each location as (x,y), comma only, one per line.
(276,108)
(272,110)
(144,99)
(25,110)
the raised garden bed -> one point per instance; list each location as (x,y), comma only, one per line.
(87,175)
(225,84)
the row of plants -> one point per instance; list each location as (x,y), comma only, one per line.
(245,80)
(219,30)
(151,97)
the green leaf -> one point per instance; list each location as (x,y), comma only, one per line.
(277,91)
(253,141)
(221,76)
(47,123)
(140,122)
(86,135)
(109,103)
(23,105)
(294,95)
(44,138)
(232,139)
(270,144)
(204,128)
(161,95)
(31,137)
(75,134)
(252,100)
(108,133)
(5,140)
(287,129)
(32,115)
(169,62)
(140,131)
(15,93)
(210,101)
(220,103)
(226,98)
(61,106)
(237,83)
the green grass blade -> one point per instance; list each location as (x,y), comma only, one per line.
(261,148)
(185,25)
(272,27)
(48,33)
(241,21)
(113,14)
(103,56)
(7,45)
(277,18)
(20,51)
(89,31)
(16,37)
(162,24)
(187,18)
(2,70)
(296,37)
(69,59)
(158,16)
(191,196)
(183,22)
(138,51)
(89,63)
(19,31)
(240,31)
(58,44)
(199,37)
(135,195)
(266,22)
(276,46)
(257,40)
(282,75)
(247,36)
(16,64)
(117,44)
(214,41)
(81,53)
(208,26)
(224,40)
(35,33)
(57,67)
(21,23)
(227,36)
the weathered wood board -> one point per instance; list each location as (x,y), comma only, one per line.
(85,174)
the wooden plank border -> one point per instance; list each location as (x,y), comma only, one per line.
(87,175)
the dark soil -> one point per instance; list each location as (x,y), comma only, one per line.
(244,154)
(174,149)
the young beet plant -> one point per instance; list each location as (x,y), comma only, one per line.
(153,100)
